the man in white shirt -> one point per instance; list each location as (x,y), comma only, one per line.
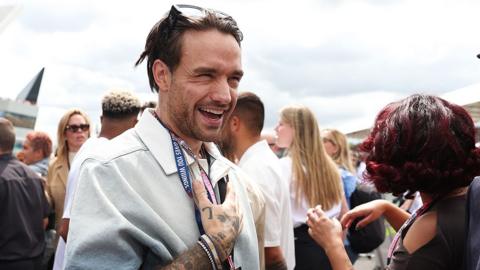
(241,142)
(161,196)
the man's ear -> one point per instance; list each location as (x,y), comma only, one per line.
(161,75)
(234,123)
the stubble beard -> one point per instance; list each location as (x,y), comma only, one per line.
(184,120)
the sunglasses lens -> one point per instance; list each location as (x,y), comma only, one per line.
(76,128)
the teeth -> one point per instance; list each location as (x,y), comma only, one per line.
(212,111)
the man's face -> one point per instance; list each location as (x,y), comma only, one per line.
(30,156)
(203,89)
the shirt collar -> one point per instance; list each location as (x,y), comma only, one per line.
(254,149)
(157,139)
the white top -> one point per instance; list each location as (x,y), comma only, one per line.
(263,166)
(91,145)
(299,212)
(87,147)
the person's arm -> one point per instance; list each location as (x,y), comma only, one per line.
(274,259)
(371,211)
(328,234)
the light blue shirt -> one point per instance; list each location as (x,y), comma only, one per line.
(130,210)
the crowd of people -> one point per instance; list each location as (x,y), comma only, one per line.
(191,183)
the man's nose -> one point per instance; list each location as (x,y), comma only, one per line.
(222,92)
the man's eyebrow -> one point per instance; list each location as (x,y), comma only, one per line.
(200,70)
(238,73)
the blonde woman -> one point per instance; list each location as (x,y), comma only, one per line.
(73,130)
(314,179)
(336,146)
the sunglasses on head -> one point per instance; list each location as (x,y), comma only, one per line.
(189,11)
(76,128)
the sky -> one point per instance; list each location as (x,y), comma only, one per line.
(345,59)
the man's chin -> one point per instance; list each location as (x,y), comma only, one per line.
(209,135)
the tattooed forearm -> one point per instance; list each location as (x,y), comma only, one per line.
(280,265)
(193,259)
(210,215)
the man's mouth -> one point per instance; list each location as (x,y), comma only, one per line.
(212,113)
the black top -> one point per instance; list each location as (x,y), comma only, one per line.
(473,230)
(23,207)
(447,248)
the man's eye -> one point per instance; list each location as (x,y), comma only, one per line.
(205,76)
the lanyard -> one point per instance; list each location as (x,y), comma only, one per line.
(206,180)
(185,179)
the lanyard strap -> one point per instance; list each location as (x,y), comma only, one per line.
(185,179)
(406,225)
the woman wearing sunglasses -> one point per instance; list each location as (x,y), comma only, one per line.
(73,130)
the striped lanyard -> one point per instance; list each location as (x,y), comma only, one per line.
(406,225)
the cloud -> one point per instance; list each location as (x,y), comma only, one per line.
(344,59)
(57,16)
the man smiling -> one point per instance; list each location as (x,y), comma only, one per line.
(155,197)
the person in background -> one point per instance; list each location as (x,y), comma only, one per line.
(23,208)
(314,179)
(119,113)
(148,105)
(37,148)
(241,139)
(403,155)
(271,140)
(336,146)
(73,130)
(36,151)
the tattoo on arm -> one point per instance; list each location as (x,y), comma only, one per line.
(193,259)
(210,216)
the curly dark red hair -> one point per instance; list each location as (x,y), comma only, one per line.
(421,143)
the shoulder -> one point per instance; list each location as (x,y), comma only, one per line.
(422,231)
(121,146)
(17,170)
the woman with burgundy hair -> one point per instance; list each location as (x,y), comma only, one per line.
(421,143)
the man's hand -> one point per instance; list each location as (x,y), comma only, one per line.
(222,222)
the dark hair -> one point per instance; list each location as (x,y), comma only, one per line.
(120,105)
(7,135)
(40,141)
(422,143)
(250,109)
(166,44)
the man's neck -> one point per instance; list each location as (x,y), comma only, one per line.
(194,144)
(242,145)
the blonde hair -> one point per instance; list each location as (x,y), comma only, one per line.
(62,146)
(343,156)
(317,178)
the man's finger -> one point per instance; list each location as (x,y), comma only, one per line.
(200,194)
